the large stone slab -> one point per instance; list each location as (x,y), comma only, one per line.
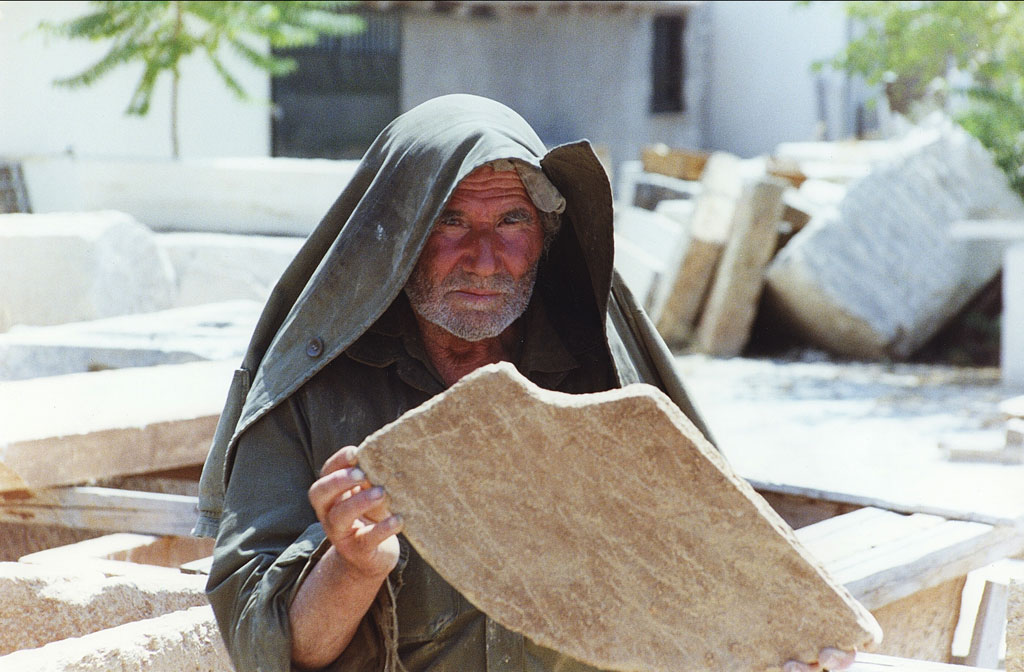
(45,604)
(208,332)
(258,195)
(607,527)
(69,267)
(69,429)
(216,267)
(877,275)
(187,639)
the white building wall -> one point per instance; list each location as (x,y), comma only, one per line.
(38,118)
(763,91)
(570,75)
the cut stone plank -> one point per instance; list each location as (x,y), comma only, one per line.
(69,267)
(65,430)
(176,336)
(989,627)
(187,639)
(1002,572)
(46,603)
(258,195)
(605,526)
(679,299)
(640,271)
(724,326)
(126,554)
(644,244)
(873,662)
(882,557)
(861,280)
(107,509)
(1015,627)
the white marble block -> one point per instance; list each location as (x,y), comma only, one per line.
(69,267)
(878,274)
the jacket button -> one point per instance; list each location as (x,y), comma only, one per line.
(315,347)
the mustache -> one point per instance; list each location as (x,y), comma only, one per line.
(460,280)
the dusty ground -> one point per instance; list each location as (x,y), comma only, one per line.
(865,431)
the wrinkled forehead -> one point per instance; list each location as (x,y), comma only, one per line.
(515,175)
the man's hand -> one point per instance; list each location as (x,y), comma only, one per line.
(355,516)
(828,659)
(333,599)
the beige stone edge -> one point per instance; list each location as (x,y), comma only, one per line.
(186,639)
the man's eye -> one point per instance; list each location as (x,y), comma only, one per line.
(450,222)
(511,220)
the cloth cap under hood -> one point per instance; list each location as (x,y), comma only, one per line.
(357,260)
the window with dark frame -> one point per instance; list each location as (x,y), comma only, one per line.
(667,64)
(346,89)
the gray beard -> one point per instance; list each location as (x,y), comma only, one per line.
(432,303)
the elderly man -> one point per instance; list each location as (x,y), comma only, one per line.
(459,242)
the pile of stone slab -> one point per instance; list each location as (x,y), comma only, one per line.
(120,601)
(117,344)
(848,243)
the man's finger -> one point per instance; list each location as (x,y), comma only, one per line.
(342,514)
(328,488)
(373,535)
(836,659)
(797,666)
(341,459)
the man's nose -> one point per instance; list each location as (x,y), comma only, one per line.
(481,255)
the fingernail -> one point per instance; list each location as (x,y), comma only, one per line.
(377,492)
(357,474)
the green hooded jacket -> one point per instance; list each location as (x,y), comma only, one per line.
(339,296)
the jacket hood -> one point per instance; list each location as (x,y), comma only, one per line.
(358,258)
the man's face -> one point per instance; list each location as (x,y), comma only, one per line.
(476,273)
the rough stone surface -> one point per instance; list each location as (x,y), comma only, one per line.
(45,604)
(878,275)
(181,640)
(922,625)
(1015,628)
(69,267)
(215,267)
(605,526)
(208,332)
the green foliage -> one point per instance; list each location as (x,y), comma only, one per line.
(919,51)
(160,34)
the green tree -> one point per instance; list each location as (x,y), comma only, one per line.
(160,34)
(923,51)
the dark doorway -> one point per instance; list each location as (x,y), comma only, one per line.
(346,89)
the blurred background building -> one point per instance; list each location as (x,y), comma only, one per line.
(731,76)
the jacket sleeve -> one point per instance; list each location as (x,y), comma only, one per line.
(268,541)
